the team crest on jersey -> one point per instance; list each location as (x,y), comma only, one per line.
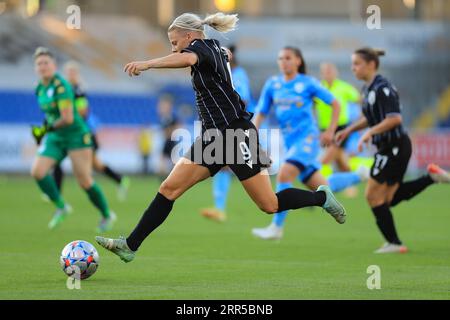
(299,87)
(60,90)
(87,139)
(386,91)
(371,97)
(50,92)
(277,85)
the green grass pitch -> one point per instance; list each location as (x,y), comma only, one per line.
(192,258)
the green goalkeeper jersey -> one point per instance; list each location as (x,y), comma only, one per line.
(53,98)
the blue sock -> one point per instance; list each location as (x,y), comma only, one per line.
(221,186)
(280,217)
(342,180)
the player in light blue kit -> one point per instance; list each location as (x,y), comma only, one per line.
(292,94)
(222,180)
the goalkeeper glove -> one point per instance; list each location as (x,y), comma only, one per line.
(38,133)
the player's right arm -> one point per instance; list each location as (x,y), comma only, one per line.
(359,124)
(174,60)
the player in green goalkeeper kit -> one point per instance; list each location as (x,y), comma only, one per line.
(64,133)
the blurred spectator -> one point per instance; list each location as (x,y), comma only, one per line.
(145,148)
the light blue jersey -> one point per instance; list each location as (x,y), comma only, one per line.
(242,86)
(93,123)
(293,101)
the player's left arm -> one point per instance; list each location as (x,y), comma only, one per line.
(172,61)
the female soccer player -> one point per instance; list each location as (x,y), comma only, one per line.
(382,114)
(345,93)
(228,134)
(292,94)
(65,134)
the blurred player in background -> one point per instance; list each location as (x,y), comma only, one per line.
(145,148)
(72,72)
(169,123)
(64,133)
(292,94)
(382,114)
(346,94)
(222,180)
(222,112)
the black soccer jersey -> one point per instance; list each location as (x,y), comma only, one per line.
(217,102)
(380,100)
(78,92)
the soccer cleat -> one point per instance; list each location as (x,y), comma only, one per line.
(438,174)
(122,191)
(214,214)
(106,224)
(332,206)
(59,216)
(118,247)
(272,232)
(392,248)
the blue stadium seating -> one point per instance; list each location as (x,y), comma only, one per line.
(20,107)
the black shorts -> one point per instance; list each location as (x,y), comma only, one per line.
(391,161)
(95,144)
(237,147)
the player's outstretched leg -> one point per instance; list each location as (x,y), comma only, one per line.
(340,181)
(152,218)
(184,175)
(410,189)
(438,174)
(275,230)
(260,190)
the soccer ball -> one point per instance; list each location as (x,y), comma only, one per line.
(79,259)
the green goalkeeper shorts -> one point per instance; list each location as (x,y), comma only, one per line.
(57,146)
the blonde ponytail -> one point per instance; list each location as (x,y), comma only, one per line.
(222,22)
(218,21)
